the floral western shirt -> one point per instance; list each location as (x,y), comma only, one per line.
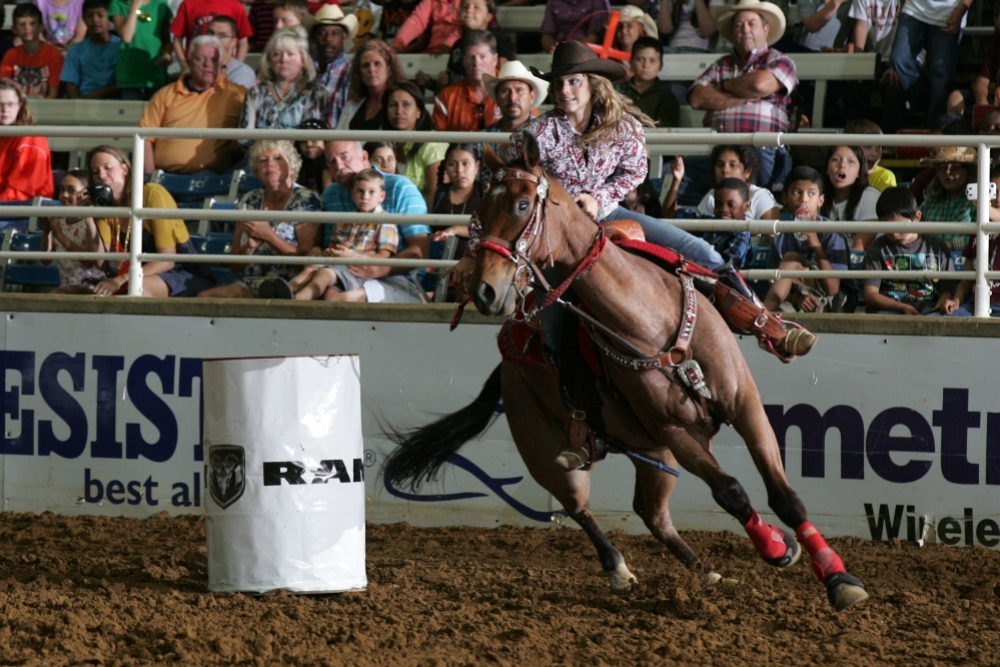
(607,172)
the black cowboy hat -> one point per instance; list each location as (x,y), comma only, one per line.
(578,58)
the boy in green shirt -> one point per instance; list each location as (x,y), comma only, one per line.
(653,97)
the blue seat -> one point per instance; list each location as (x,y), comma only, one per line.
(247,183)
(760,258)
(219,243)
(29,275)
(200,243)
(18,224)
(192,188)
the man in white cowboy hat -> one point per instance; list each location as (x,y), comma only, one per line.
(634,23)
(517,92)
(327,40)
(750,89)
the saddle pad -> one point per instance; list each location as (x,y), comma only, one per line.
(667,259)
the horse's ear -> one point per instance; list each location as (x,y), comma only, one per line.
(491,159)
(529,151)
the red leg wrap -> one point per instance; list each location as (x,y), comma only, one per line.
(825,560)
(767,539)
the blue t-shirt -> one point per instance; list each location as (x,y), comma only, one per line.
(91,66)
(834,245)
(401,196)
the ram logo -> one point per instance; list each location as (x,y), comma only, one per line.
(226,474)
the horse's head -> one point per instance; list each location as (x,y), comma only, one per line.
(512,218)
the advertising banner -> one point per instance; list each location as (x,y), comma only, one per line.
(882,436)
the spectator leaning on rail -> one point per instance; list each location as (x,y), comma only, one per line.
(288,92)
(464,106)
(202,98)
(276,164)
(109,166)
(347,158)
(144,28)
(223,28)
(89,69)
(25,162)
(334,67)
(750,89)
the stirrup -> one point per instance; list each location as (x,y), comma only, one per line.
(796,342)
(574,459)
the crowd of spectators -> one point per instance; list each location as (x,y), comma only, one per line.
(326,66)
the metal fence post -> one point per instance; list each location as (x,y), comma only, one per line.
(983,239)
(135,246)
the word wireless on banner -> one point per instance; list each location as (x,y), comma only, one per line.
(284,471)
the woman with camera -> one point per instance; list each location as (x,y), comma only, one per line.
(25,162)
(111,185)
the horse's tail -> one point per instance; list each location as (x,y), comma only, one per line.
(423,451)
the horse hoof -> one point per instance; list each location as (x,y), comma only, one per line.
(622,580)
(792,553)
(845,590)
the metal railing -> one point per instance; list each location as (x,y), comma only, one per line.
(656,142)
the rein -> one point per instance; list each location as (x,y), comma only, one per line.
(518,251)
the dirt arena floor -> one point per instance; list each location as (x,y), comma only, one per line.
(101,591)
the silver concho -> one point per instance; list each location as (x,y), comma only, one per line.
(690,373)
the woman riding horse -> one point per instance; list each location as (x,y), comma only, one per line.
(593,142)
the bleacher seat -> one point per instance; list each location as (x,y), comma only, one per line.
(192,189)
(219,243)
(19,224)
(958,260)
(26,275)
(218,205)
(857,260)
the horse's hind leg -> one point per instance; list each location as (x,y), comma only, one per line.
(651,502)
(752,424)
(537,419)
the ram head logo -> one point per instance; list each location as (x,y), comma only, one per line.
(226,474)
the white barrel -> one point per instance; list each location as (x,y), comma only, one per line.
(284,470)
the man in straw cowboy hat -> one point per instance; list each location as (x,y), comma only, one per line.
(750,89)
(517,92)
(327,39)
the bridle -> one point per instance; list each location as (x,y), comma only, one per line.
(520,248)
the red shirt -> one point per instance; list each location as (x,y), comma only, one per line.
(194,15)
(25,168)
(36,74)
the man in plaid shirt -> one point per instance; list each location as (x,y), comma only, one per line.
(750,90)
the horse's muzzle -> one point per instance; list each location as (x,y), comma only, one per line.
(488,302)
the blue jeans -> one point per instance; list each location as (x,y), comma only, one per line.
(666,235)
(775,163)
(942,61)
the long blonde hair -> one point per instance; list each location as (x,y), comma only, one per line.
(613,108)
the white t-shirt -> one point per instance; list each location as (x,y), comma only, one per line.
(685,35)
(826,35)
(864,211)
(761,201)
(932,12)
(882,17)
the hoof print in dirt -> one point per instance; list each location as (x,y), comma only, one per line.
(845,590)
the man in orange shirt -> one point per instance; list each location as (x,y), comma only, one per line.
(465,106)
(201,98)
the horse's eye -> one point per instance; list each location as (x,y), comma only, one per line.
(522,206)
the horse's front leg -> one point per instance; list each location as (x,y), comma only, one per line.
(651,502)
(537,420)
(843,588)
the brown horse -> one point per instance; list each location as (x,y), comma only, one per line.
(528,220)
